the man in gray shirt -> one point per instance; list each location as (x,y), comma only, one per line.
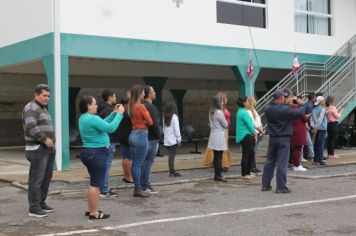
(40,151)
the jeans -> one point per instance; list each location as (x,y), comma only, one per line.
(105,188)
(247,145)
(278,153)
(332,136)
(319,145)
(40,175)
(310,146)
(95,161)
(139,146)
(218,162)
(147,164)
(171,156)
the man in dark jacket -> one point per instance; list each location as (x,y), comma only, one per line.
(154,135)
(105,109)
(279,128)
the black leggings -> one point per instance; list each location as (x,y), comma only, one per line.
(248,154)
(332,136)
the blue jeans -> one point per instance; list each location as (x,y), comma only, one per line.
(139,146)
(40,175)
(147,164)
(105,188)
(319,145)
(257,145)
(310,145)
(95,160)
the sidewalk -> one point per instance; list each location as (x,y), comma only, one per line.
(14,166)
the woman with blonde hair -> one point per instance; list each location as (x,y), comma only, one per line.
(259,131)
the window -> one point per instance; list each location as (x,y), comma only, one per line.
(244,12)
(312,16)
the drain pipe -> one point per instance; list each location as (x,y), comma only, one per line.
(57,82)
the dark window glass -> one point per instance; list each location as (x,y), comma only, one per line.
(237,14)
(259,1)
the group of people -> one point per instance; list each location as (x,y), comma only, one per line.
(134,122)
(137,125)
(297,129)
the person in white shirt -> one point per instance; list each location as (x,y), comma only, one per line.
(172,136)
(259,131)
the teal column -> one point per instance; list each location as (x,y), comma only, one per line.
(178,95)
(246,84)
(157,83)
(73,93)
(48,63)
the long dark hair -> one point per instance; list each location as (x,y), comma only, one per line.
(169,110)
(84,102)
(135,99)
(240,102)
(215,105)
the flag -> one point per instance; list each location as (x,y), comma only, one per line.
(250,68)
(296,66)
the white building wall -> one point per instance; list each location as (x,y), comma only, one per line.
(24,19)
(195,22)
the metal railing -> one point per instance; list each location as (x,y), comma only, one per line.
(335,76)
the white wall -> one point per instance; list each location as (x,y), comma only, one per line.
(195,22)
(24,19)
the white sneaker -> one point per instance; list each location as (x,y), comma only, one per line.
(299,168)
(303,160)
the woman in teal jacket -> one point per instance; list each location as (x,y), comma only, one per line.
(94,132)
(245,136)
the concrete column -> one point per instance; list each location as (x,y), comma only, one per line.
(178,95)
(157,83)
(62,157)
(246,84)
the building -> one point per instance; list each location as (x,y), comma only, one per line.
(176,46)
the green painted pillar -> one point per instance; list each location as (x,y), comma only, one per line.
(157,83)
(73,93)
(48,63)
(246,84)
(178,95)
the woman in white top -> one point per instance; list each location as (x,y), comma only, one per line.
(172,136)
(259,131)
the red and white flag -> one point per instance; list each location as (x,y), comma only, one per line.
(295,65)
(250,68)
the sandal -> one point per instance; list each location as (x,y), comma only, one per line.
(101,216)
(127,181)
(87,213)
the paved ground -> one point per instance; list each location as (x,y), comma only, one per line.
(315,207)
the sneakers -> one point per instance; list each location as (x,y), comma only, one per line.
(266,188)
(108,194)
(150,190)
(219,179)
(284,190)
(38,214)
(140,193)
(303,160)
(47,208)
(299,168)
